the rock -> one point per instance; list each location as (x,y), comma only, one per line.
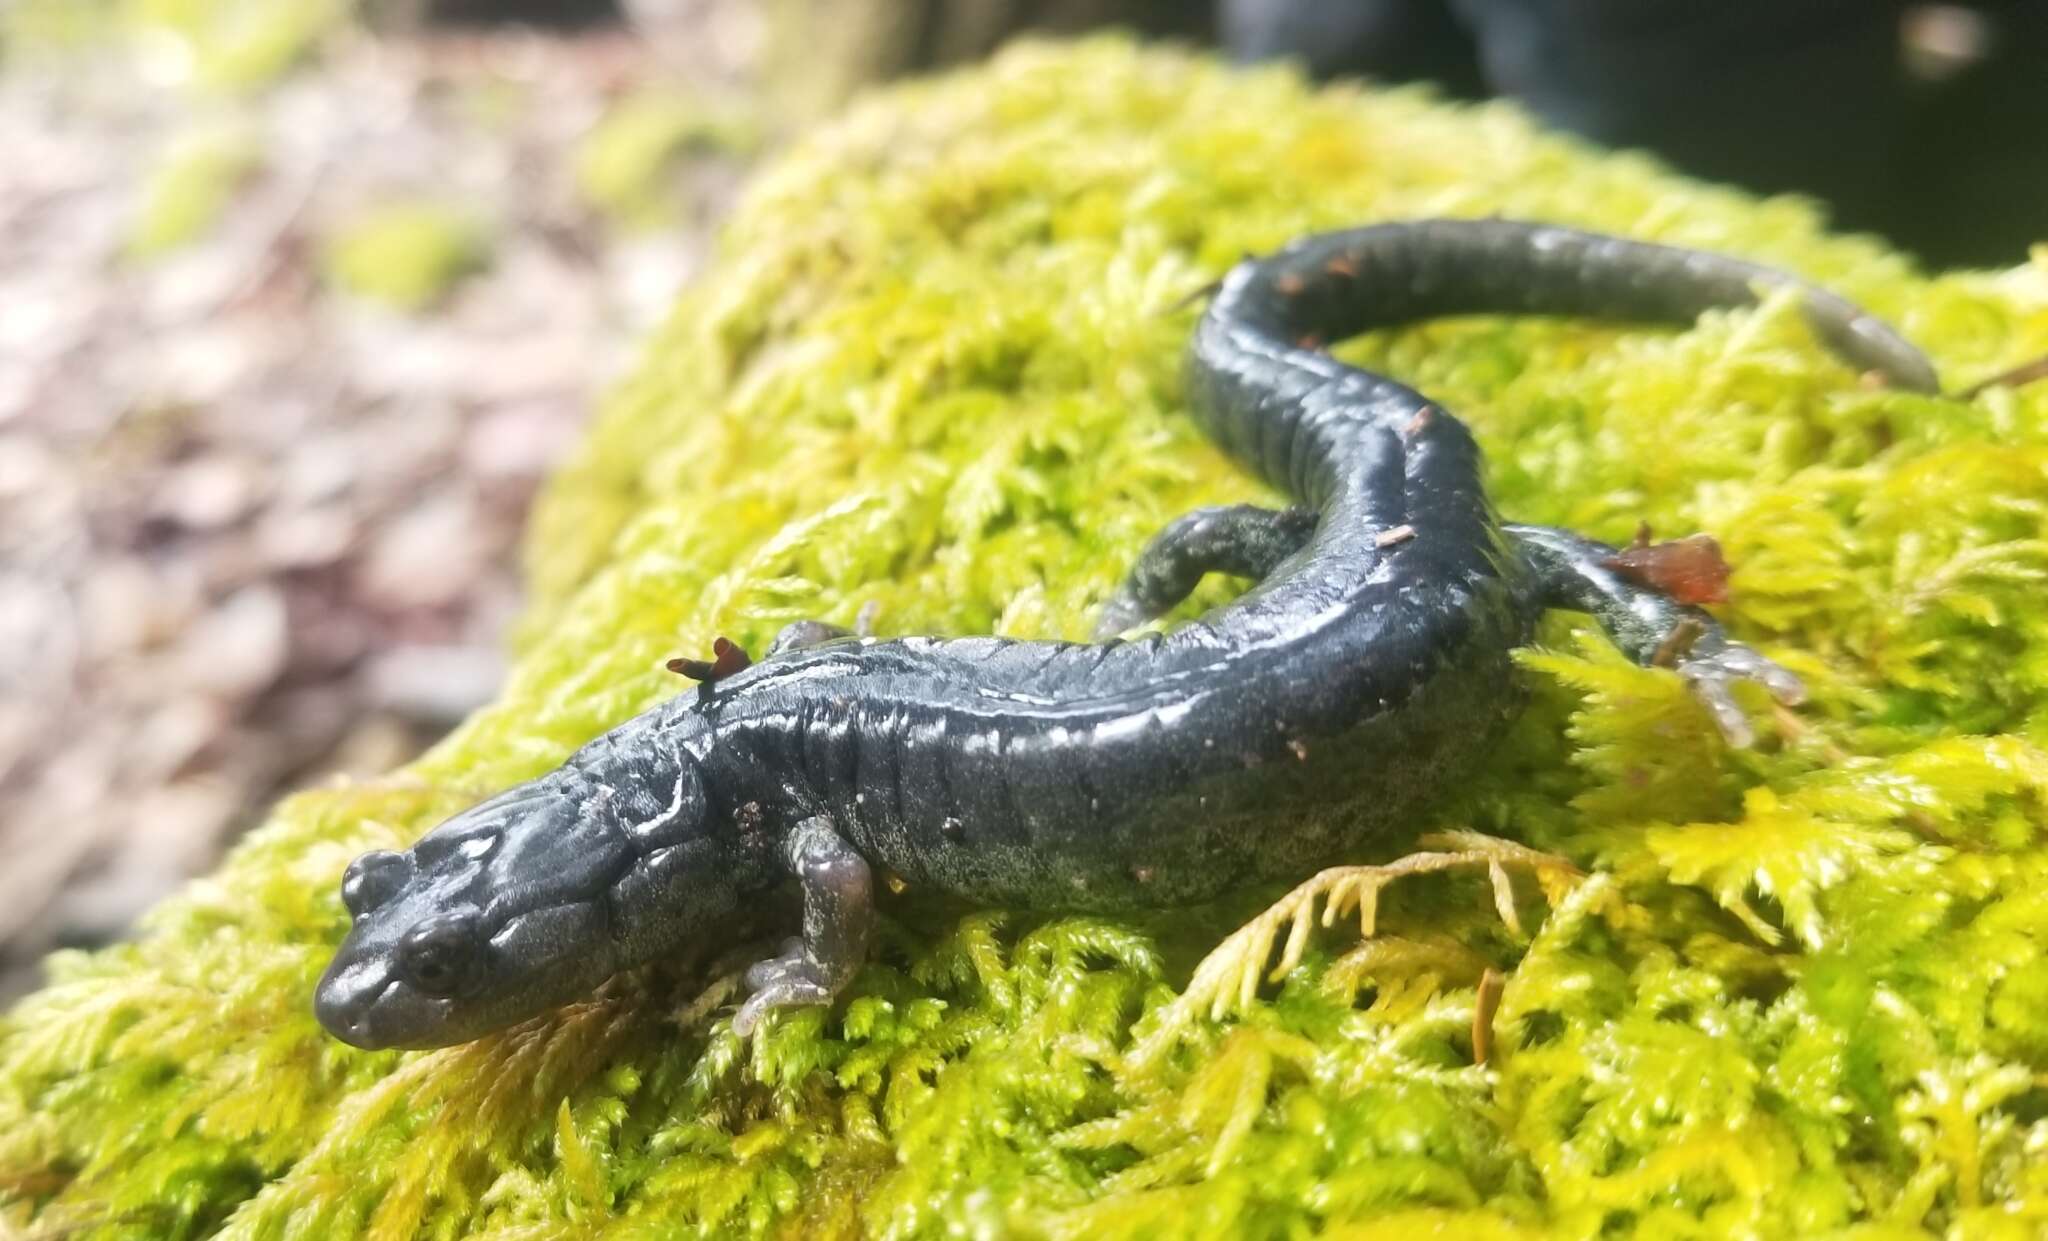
(427,557)
(210,492)
(437,686)
(520,441)
(185,824)
(124,607)
(306,538)
(165,739)
(237,648)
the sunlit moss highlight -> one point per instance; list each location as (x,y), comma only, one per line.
(238,44)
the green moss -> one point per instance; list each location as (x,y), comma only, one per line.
(33,28)
(186,193)
(241,44)
(623,162)
(216,45)
(407,255)
(937,367)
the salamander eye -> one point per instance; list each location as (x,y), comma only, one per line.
(372,879)
(436,954)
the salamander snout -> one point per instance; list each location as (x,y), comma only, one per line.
(523,901)
(398,990)
(499,913)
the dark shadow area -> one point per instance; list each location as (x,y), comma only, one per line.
(1921,122)
(546,14)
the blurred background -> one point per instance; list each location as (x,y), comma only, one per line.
(301,299)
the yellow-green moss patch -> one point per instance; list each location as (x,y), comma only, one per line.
(188,191)
(937,367)
(623,161)
(407,254)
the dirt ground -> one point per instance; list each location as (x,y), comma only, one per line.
(255,529)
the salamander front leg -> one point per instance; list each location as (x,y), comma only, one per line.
(1239,539)
(1650,626)
(838,914)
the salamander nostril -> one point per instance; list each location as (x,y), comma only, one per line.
(373,879)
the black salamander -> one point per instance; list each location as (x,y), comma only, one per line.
(1318,714)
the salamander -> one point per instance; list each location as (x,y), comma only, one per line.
(1318,714)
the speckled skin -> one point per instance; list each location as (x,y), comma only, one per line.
(1314,718)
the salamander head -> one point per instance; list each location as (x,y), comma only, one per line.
(505,910)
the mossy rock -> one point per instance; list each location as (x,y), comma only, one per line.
(937,367)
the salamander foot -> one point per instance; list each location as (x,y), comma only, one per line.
(1639,602)
(789,979)
(1710,669)
(815,967)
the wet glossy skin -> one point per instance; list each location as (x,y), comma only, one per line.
(1312,719)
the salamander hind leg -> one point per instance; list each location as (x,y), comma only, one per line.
(1643,614)
(1239,539)
(838,898)
(797,635)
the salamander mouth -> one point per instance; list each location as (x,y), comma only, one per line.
(365,1004)
(349,1018)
